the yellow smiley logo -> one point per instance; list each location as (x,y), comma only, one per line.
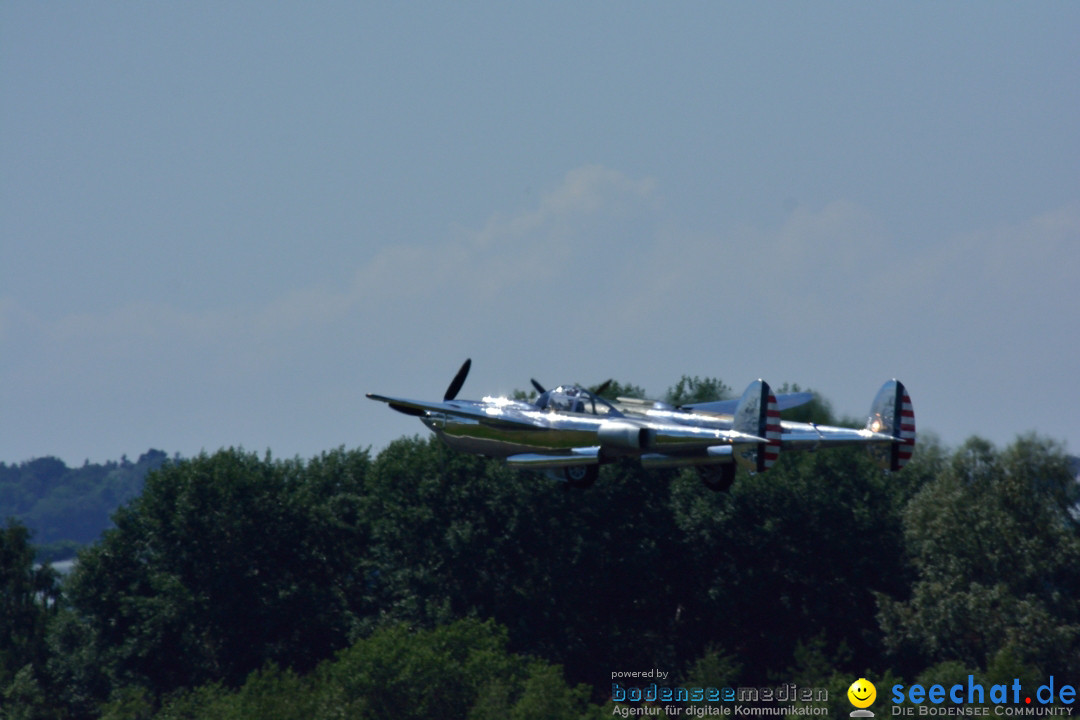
(862,693)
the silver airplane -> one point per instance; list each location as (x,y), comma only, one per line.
(570,431)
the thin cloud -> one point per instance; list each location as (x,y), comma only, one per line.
(594,279)
(524,256)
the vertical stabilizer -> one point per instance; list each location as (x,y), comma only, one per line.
(758,414)
(893,414)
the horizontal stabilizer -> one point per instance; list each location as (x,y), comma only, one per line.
(784,401)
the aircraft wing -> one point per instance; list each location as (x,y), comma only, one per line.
(416,408)
(484,413)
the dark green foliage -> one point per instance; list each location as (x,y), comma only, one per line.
(573,575)
(697,389)
(224,563)
(461,671)
(793,554)
(28,598)
(817,410)
(70,507)
(995,544)
(431,583)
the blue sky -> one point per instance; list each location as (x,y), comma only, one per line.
(222,223)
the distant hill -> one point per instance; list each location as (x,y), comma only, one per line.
(67,508)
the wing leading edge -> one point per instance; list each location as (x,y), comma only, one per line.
(487,414)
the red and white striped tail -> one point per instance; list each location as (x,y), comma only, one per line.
(893,414)
(770,452)
(758,415)
(906,446)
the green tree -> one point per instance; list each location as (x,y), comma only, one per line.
(697,389)
(791,555)
(461,671)
(70,507)
(996,547)
(818,410)
(589,579)
(29,596)
(224,563)
(25,699)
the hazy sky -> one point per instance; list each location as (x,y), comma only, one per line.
(222,223)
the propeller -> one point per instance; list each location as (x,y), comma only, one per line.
(458,381)
(539,388)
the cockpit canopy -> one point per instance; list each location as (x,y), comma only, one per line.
(575,399)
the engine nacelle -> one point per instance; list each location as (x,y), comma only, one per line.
(624,436)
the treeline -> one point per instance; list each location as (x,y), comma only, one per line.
(427,583)
(67,508)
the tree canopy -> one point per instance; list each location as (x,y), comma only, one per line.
(429,583)
(67,508)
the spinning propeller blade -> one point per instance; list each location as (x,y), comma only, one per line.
(458,381)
